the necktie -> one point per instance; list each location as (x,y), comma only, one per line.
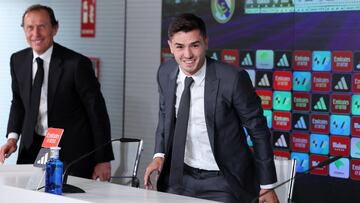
(36,90)
(178,148)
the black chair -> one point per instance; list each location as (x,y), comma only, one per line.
(124,167)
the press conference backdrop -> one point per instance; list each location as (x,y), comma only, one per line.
(304,61)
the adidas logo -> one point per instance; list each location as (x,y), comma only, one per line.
(43,159)
(300,124)
(341,84)
(247,60)
(264,81)
(214,56)
(320,105)
(283,61)
(281,142)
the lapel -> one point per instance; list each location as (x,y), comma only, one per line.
(210,97)
(170,96)
(27,67)
(55,70)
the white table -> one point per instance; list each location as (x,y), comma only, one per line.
(13,180)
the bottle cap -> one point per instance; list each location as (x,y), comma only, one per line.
(54,152)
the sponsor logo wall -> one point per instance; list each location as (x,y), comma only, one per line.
(311,100)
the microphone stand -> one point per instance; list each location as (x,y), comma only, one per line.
(321,164)
(67,188)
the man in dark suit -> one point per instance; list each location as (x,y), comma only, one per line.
(216,163)
(68,97)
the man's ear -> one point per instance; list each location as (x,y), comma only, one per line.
(169,43)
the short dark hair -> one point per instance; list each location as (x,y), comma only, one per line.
(187,22)
(38,7)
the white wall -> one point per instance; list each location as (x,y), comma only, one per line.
(143,35)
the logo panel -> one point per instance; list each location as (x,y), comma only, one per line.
(314,161)
(251,75)
(301,81)
(340,125)
(300,121)
(247,59)
(342,61)
(340,168)
(302,60)
(281,120)
(263,79)
(319,123)
(339,145)
(222,11)
(301,101)
(355,104)
(282,80)
(355,169)
(319,144)
(341,83)
(356,83)
(355,126)
(266,98)
(321,82)
(321,61)
(355,147)
(281,140)
(264,59)
(356,61)
(230,56)
(268,116)
(278,154)
(300,142)
(283,59)
(340,103)
(214,54)
(282,100)
(320,102)
(302,161)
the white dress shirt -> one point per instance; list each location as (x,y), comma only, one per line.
(42,119)
(198,153)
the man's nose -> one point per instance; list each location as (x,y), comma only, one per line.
(188,53)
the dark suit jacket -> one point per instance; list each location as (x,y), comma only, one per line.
(75,104)
(230,104)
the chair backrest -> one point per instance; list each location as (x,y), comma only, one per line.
(285,170)
(127,152)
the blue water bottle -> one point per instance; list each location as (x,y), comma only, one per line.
(54,171)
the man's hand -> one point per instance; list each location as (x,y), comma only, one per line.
(102,171)
(155,165)
(269,197)
(7,149)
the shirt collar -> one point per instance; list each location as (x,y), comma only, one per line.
(45,56)
(198,76)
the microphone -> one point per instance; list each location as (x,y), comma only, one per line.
(321,164)
(67,188)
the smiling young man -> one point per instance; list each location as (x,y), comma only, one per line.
(53,86)
(214,161)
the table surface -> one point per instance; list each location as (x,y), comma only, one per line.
(17,177)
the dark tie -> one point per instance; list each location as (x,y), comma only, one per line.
(178,148)
(36,90)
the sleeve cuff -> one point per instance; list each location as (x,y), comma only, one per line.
(268,186)
(160,155)
(13,135)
